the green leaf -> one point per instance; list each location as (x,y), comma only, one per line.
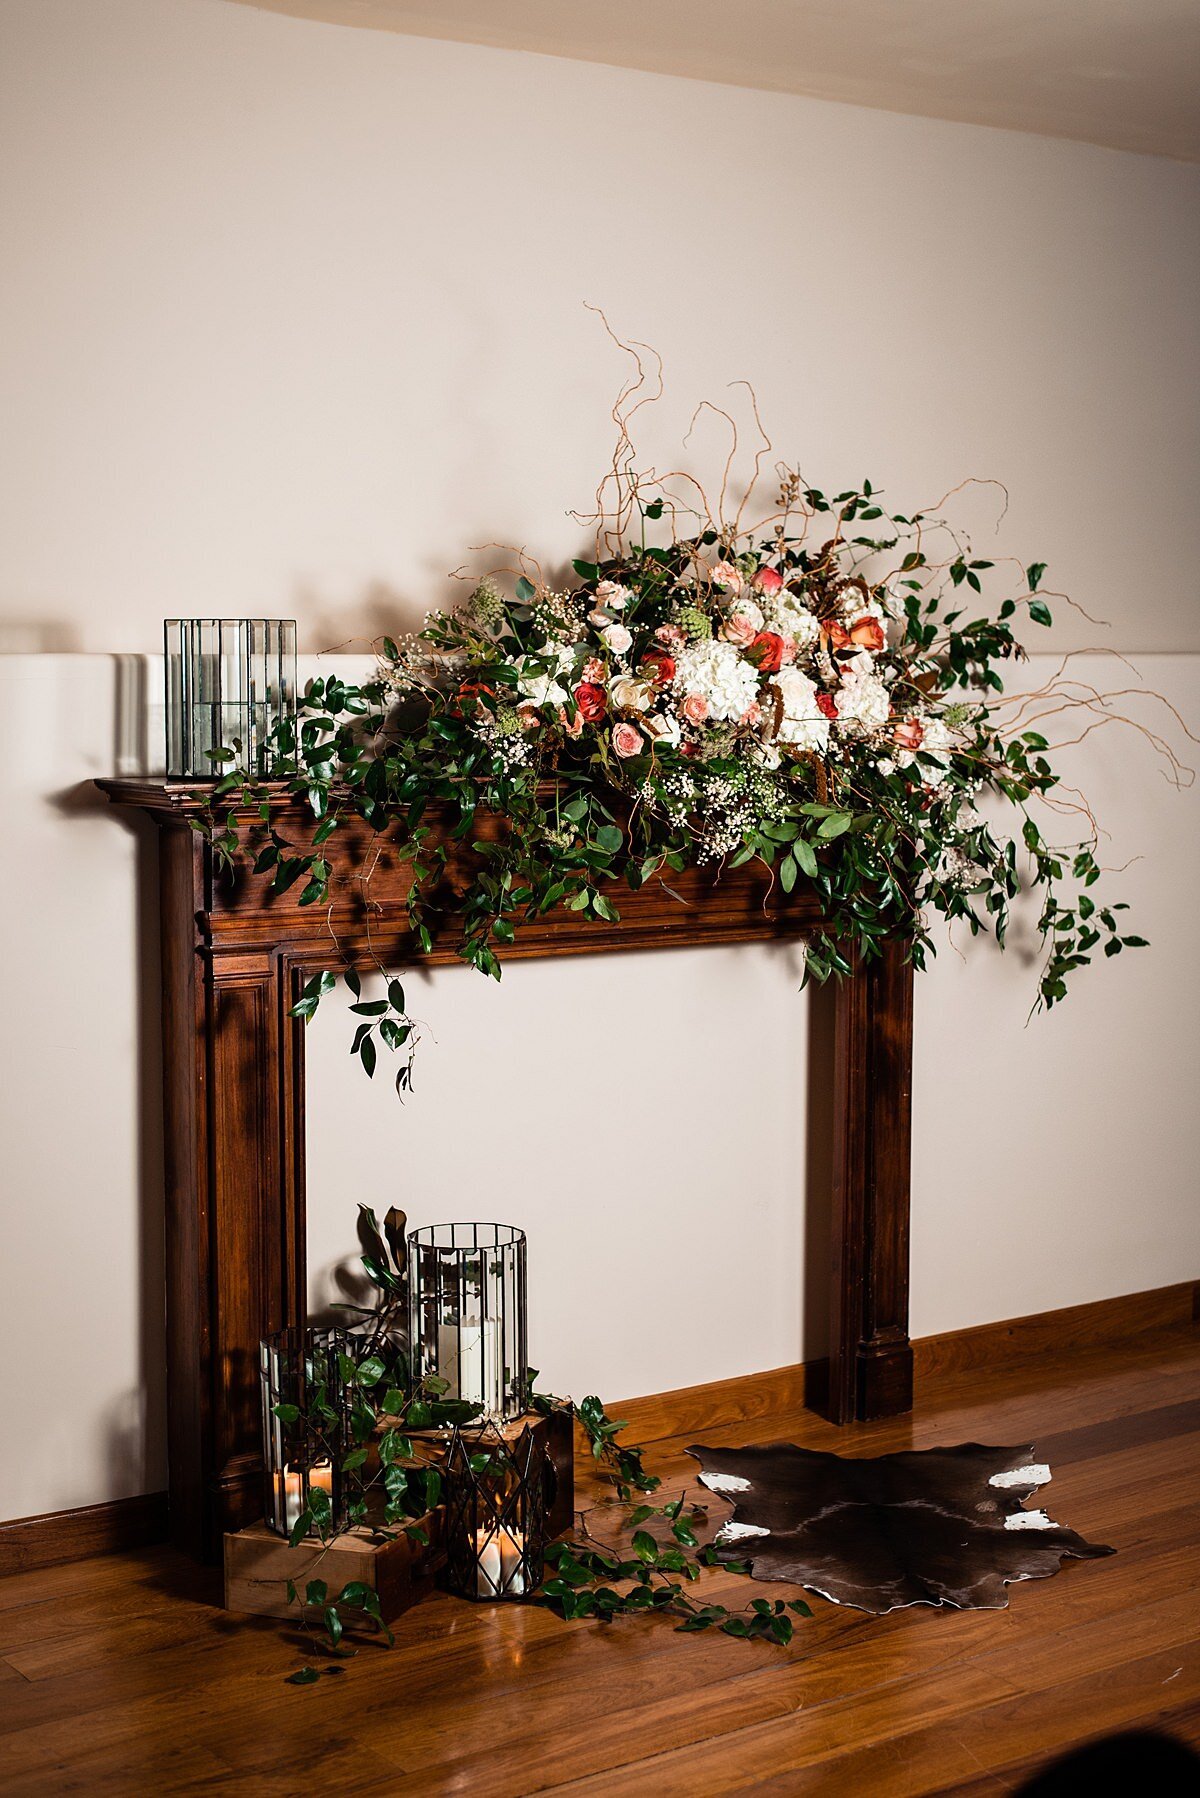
(806,856)
(836,825)
(1039,611)
(525,589)
(305,1676)
(1034,573)
(367,1052)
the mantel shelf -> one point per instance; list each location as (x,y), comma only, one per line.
(694,908)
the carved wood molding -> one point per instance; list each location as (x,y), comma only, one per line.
(234,957)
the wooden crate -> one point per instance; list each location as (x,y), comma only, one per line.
(556,1432)
(258,1565)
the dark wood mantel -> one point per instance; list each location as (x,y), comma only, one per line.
(234,959)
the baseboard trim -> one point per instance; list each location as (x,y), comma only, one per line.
(1104,1323)
(1159,1314)
(56,1536)
(1167,1311)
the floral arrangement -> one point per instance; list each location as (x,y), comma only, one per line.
(822,692)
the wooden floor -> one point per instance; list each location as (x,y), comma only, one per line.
(121,1675)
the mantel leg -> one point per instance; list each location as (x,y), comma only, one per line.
(870,1352)
(235,1204)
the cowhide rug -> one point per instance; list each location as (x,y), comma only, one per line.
(940,1526)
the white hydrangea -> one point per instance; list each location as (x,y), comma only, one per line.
(791,618)
(545,688)
(863,702)
(852,607)
(938,742)
(803,724)
(718,672)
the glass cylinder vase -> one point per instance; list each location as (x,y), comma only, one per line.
(495,1498)
(305,1429)
(229,681)
(466,1289)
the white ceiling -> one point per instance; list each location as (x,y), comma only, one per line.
(1120,72)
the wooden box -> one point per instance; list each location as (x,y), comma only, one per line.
(258,1565)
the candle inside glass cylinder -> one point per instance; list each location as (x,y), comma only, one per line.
(500,1570)
(321,1475)
(471,1360)
(289,1490)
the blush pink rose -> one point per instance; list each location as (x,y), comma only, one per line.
(593,671)
(671,635)
(910,734)
(695,708)
(627,741)
(768,580)
(752,713)
(788,651)
(726,575)
(738,630)
(572,726)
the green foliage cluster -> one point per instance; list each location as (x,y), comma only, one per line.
(438,752)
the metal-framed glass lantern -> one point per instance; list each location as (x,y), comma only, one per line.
(495,1497)
(305,1428)
(466,1294)
(228,683)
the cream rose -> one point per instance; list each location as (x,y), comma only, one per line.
(628,694)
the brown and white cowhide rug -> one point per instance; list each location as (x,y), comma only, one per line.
(940,1526)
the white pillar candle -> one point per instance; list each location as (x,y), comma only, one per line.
(489,1569)
(289,1489)
(499,1568)
(512,1549)
(471,1360)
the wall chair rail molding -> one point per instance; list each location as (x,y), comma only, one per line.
(235,958)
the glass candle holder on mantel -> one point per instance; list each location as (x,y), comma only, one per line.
(495,1498)
(229,681)
(305,1428)
(466,1294)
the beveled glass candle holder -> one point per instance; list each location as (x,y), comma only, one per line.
(495,1499)
(305,1428)
(229,682)
(466,1294)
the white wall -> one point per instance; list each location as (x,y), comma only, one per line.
(293,315)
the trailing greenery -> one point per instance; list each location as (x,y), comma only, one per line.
(390,1489)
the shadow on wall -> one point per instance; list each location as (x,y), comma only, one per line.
(37,638)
